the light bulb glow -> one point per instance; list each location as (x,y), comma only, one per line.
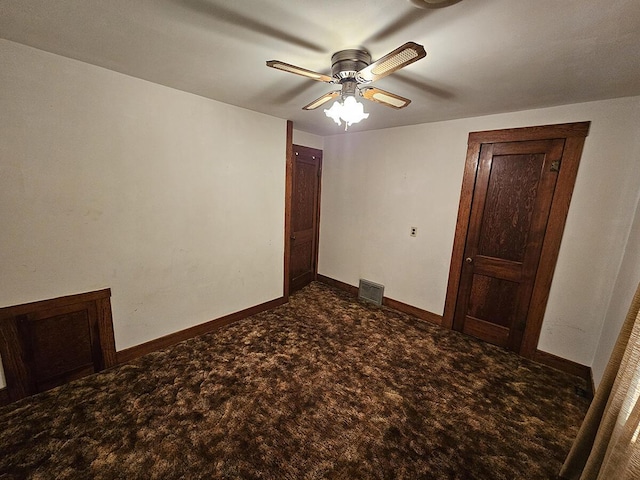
(349,111)
(334,112)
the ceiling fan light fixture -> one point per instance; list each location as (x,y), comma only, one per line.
(349,111)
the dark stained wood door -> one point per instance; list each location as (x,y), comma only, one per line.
(305,213)
(515,197)
(509,213)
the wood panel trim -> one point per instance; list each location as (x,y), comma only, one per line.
(386,301)
(564,365)
(107,336)
(134,352)
(411,310)
(503,269)
(542,132)
(24,308)
(288,193)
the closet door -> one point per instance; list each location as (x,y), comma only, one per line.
(509,213)
(513,206)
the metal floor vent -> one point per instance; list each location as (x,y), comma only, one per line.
(371,292)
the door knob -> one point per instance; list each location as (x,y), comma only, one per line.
(292,237)
(469,260)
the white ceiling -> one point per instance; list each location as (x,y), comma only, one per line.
(483,56)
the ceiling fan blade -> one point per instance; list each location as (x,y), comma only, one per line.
(401,57)
(300,71)
(322,100)
(386,98)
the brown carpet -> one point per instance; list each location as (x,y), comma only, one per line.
(323,387)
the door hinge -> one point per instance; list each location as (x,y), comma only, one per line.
(555,166)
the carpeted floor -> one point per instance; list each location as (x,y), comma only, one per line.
(323,387)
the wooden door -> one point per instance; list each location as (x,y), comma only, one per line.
(305,212)
(511,202)
(513,208)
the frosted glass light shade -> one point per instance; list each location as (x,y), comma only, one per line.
(350,111)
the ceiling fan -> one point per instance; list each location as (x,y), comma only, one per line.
(353,70)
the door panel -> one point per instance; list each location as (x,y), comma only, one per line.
(305,205)
(493,299)
(61,344)
(304,192)
(509,206)
(511,203)
(301,258)
(62,347)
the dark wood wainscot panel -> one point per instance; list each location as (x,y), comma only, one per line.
(51,342)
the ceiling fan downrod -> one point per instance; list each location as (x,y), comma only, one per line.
(348,88)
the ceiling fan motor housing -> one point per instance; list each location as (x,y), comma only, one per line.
(345,64)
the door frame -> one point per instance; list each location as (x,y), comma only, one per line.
(288,195)
(574,135)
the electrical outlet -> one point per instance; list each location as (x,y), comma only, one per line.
(414,231)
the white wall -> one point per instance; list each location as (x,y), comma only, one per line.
(174,201)
(625,286)
(378,184)
(307,139)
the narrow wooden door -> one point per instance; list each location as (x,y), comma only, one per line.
(305,212)
(512,214)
